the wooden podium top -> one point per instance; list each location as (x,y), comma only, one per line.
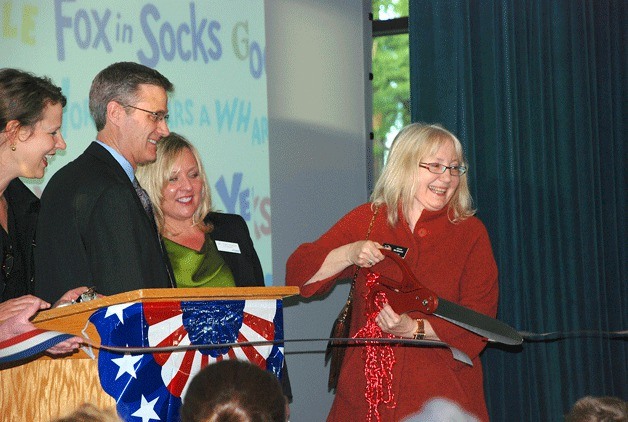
(72,319)
(162,295)
(48,388)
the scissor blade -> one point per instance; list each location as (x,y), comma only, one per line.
(488,327)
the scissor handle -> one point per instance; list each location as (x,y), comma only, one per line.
(407,295)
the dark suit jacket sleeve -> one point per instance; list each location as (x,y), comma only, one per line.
(60,260)
(93,231)
(245,266)
(118,245)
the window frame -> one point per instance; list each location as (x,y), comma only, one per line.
(382,28)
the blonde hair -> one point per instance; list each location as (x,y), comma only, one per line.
(87,412)
(397,184)
(155,176)
(596,409)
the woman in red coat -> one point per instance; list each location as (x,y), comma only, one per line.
(421,208)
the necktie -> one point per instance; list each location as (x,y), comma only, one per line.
(143,195)
(148,207)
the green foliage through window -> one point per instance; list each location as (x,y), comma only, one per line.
(391,84)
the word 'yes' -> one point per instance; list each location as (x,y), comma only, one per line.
(236,195)
(230,197)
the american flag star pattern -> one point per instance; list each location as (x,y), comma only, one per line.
(150,386)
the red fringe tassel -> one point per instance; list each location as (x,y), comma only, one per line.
(378,358)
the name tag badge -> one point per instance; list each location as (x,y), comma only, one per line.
(227,246)
(399,250)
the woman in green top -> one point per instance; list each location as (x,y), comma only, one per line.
(205,248)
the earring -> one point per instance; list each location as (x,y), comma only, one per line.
(13,148)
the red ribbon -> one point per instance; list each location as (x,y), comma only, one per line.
(378,359)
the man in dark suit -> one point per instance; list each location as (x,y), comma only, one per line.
(95,225)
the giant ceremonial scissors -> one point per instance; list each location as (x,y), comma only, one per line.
(410,295)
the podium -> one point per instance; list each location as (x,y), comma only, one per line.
(192,319)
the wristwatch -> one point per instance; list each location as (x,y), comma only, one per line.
(419,334)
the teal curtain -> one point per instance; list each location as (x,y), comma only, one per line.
(536,91)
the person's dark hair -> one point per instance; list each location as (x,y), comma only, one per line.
(120,82)
(598,409)
(233,391)
(23,97)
